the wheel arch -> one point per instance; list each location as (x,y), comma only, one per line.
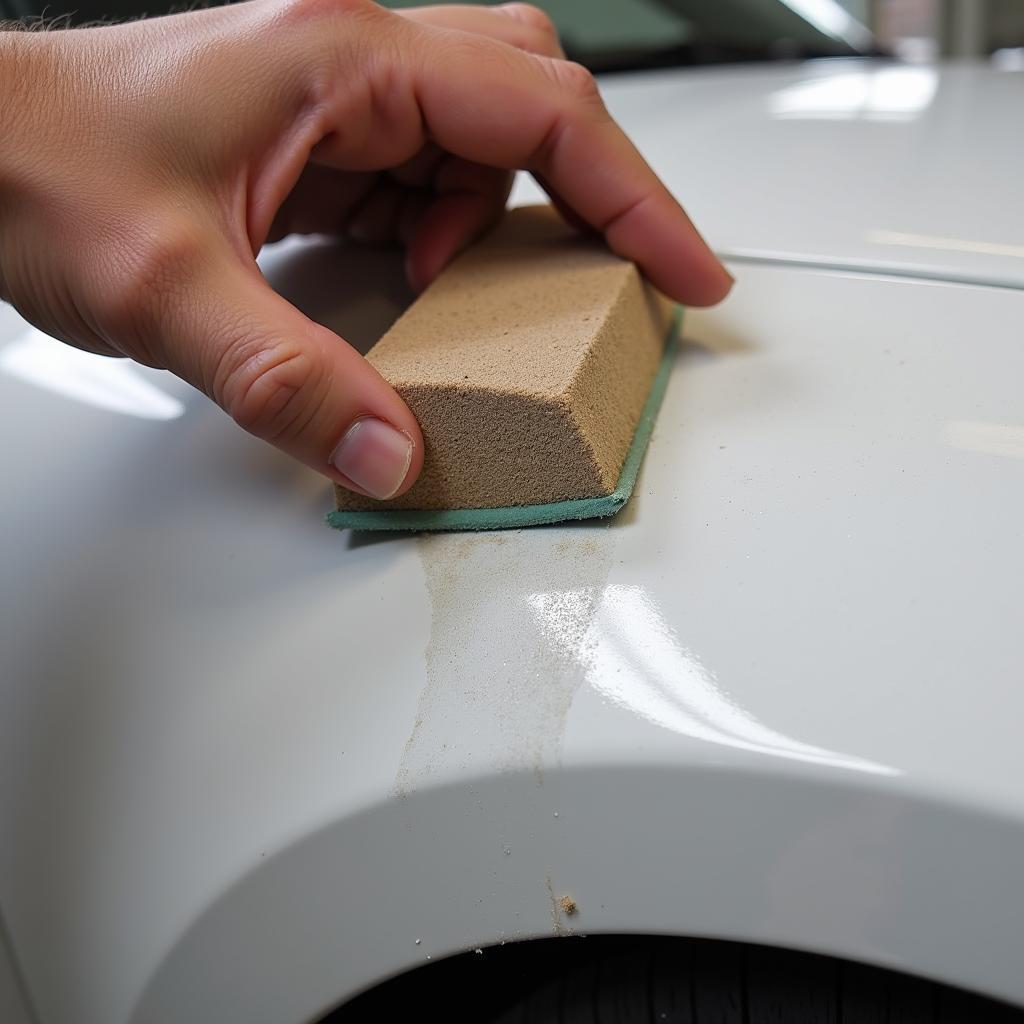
(822,864)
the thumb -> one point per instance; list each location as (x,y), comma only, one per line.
(292,382)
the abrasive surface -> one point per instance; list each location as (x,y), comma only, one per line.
(526,363)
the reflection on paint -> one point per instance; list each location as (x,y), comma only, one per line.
(634,659)
(112,384)
(829,17)
(1006,439)
(912,241)
(890,94)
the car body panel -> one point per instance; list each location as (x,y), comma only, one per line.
(843,163)
(250,766)
(13,1008)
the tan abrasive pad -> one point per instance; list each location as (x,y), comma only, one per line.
(527,364)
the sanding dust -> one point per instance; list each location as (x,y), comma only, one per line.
(509,645)
(527,364)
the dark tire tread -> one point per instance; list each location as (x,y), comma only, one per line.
(629,980)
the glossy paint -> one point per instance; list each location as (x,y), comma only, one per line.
(250,766)
(852,164)
(777,699)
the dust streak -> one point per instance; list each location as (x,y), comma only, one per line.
(508,647)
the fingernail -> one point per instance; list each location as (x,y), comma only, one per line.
(374,456)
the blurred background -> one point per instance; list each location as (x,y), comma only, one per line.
(625,34)
(622,35)
(601,32)
(922,30)
(606,34)
(612,35)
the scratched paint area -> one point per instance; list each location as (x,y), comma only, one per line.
(498,687)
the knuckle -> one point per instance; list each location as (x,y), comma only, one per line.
(532,16)
(304,10)
(574,80)
(269,391)
(337,29)
(338,32)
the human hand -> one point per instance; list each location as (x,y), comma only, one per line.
(144,165)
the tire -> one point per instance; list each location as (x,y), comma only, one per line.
(679,982)
(606,979)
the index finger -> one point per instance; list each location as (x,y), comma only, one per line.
(494,105)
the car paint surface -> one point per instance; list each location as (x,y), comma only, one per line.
(851,164)
(776,699)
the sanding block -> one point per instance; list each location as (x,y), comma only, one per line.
(535,365)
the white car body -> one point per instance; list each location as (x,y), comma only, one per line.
(251,766)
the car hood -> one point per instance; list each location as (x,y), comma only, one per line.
(842,163)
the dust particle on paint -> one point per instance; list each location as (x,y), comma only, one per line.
(559,907)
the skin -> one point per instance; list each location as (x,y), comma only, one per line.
(144,166)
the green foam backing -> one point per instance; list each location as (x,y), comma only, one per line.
(511,517)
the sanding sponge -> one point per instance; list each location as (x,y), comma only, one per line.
(535,365)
